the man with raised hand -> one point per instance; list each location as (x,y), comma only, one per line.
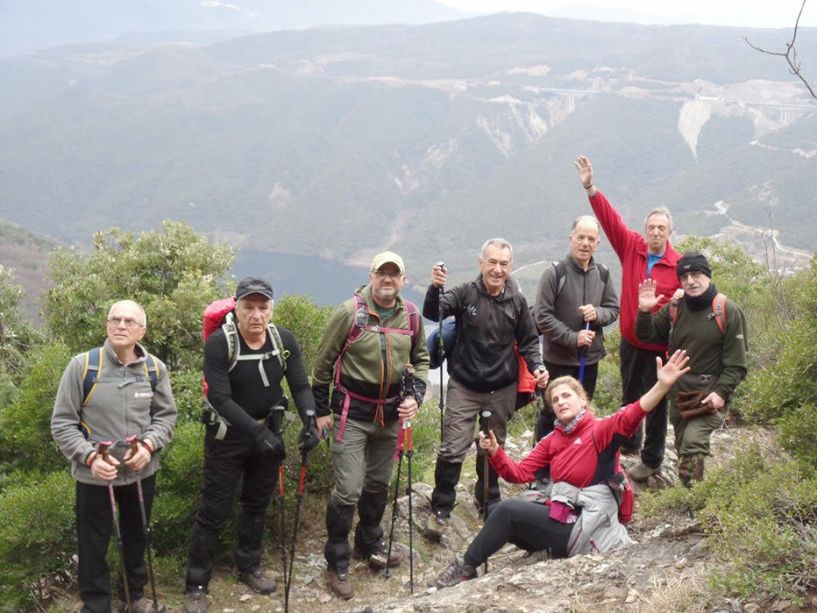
(650,256)
(111,394)
(492,318)
(712,331)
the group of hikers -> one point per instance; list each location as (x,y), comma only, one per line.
(680,339)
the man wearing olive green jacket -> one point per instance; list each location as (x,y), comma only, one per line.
(712,330)
(368,341)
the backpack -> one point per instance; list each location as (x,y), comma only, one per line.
(718,313)
(93,364)
(221,314)
(360,322)
(449,340)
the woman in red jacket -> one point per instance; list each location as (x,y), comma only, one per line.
(581,514)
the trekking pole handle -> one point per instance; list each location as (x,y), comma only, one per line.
(102,449)
(486,423)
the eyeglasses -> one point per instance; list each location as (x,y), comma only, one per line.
(391,275)
(128,321)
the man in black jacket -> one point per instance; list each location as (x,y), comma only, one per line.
(245,395)
(492,315)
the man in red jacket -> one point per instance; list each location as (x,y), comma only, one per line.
(642,257)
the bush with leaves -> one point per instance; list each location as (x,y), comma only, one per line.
(37,537)
(17,337)
(25,425)
(784,391)
(173,273)
(759,513)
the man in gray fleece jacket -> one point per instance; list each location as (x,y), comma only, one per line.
(130,396)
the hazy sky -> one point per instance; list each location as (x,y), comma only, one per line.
(744,13)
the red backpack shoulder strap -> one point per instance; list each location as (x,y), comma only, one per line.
(413,316)
(719,311)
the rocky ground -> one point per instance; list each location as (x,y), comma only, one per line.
(667,569)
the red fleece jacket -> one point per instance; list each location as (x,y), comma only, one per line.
(631,249)
(586,456)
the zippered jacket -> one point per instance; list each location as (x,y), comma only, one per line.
(586,457)
(484,359)
(632,251)
(122,405)
(557,314)
(373,363)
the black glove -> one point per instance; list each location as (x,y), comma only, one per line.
(309,438)
(269,444)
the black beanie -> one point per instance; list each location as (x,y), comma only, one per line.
(693,262)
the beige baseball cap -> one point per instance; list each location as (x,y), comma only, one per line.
(385,258)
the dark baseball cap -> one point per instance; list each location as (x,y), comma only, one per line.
(253,285)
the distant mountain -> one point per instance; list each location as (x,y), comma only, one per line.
(28,25)
(338,142)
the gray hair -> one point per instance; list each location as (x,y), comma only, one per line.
(500,243)
(660,210)
(133,304)
(588,218)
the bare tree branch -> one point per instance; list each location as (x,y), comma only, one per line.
(790,54)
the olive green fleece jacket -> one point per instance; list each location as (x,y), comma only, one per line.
(372,365)
(710,351)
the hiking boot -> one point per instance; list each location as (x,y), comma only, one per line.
(144,605)
(435,526)
(339,583)
(378,557)
(257,580)
(195,601)
(457,572)
(642,472)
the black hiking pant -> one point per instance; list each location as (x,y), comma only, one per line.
(637,377)
(94,529)
(227,463)
(525,524)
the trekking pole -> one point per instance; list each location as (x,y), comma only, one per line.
(404,447)
(486,466)
(277,423)
(387,570)
(583,358)
(409,389)
(281,524)
(102,449)
(134,445)
(441,349)
(299,496)
(409,454)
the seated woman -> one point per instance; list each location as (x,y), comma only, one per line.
(581,515)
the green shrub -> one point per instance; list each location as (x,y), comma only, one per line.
(25,425)
(306,320)
(760,517)
(37,536)
(798,433)
(178,484)
(187,393)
